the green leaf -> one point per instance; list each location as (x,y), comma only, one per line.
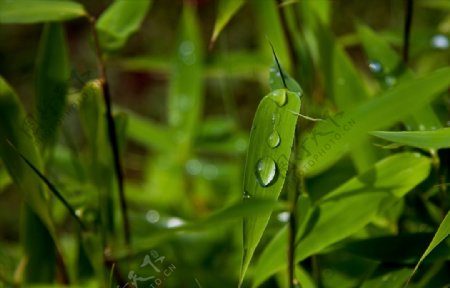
(37,227)
(402,249)
(185,103)
(226,10)
(329,140)
(435,139)
(120,21)
(51,82)
(389,69)
(441,234)
(347,209)
(37,11)
(271,140)
(391,279)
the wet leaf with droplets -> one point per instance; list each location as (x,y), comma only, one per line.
(269,151)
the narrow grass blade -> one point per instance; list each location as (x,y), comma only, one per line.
(329,140)
(51,187)
(435,139)
(226,10)
(271,140)
(347,209)
(441,234)
(51,82)
(37,11)
(120,21)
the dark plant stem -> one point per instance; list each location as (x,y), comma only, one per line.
(407,29)
(112,134)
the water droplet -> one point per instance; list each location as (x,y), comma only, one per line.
(274,139)
(440,41)
(390,80)
(275,118)
(174,222)
(375,67)
(152,216)
(194,167)
(283,217)
(186,50)
(266,171)
(246,195)
(279,97)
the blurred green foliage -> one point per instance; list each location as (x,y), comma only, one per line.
(165,92)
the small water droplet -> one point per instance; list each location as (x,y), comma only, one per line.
(266,171)
(194,167)
(440,42)
(279,96)
(246,195)
(275,118)
(390,80)
(174,222)
(152,216)
(283,216)
(375,67)
(274,139)
(186,50)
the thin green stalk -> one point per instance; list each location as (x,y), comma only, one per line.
(112,134)
(51,187)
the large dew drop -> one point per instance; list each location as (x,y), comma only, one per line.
(279,96)
(266,171)
(375,67)
(274,139)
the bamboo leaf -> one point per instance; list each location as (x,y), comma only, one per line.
(51,82)
(330,139)
(347,209)
(435,139)
(226,10)
(120,21)
(37,11)
(441,234)
(37,228)
(271,140)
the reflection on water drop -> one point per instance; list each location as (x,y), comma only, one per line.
(440,41)
(375,67)
(246,195)
(266,171)
(274,139)
(152,216)
(283,217)
(279,97)
(174,222)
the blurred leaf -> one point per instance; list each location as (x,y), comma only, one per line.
(350,127)
(146,132)
(402,249)
(51,82)
(270,27)
(119,21)
(37,11)
(441,234)
(435,139)
(271,140)
(348,208)
(391,279)
(37,228)
(226,10)
(185,103)
(389,69)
